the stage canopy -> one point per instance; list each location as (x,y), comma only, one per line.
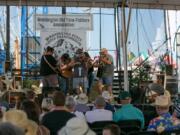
(150,4)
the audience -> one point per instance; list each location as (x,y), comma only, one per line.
(165,121)
(99,113)
(82,103)
(128,111)
(76,126)
(70,105)
(58,116)
(111,129)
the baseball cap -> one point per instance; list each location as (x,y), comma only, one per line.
(124,95)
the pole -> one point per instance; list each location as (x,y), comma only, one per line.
(8,34)
(100,43)
(123,22)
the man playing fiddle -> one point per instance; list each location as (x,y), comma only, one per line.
(107,66)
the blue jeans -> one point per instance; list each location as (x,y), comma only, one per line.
(108,80)
(90,82)
(63,84)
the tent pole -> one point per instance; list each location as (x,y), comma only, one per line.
(123,23)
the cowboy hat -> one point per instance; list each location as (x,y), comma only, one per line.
(162,101)
(103,50)
(19,118)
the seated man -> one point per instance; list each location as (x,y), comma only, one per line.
(81,105)
(164,122)
(58,116)
(99,113)
(70,105)
(128,111)
(154,90)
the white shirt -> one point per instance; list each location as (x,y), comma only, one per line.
(98,115)
(79,115)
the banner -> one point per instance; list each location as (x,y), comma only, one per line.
(59,22)
(63,41)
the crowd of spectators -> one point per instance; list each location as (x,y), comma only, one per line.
(68,115)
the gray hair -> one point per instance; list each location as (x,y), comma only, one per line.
(100,101)
(70,102)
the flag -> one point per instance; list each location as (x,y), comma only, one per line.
(131,56)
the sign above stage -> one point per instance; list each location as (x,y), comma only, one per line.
(63,22)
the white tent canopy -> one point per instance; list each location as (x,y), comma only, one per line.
(150,4)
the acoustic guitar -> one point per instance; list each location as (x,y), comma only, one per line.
(67,73)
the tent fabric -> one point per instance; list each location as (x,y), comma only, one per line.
(149,4)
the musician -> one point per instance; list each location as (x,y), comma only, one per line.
(47,70)
(80,71)
(106,64)
(66,72)
(90,67)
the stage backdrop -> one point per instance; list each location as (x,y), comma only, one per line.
(63,41)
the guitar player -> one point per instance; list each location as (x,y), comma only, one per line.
(47,71)
(66,72)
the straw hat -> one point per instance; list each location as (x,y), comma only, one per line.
(162,101)
(103,50)
(19,118)
(82,99)
(76,126)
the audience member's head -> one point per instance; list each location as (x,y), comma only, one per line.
(162,104)
(10,129)
(47,104)
(70,103)
(107,96)
(153,90)
(76,126)
(111,129)
(19,118)
(58,98)
(124,97)
(31,109)
(30,95)
(100,102)
(82,99)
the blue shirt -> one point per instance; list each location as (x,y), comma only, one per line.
(166,121)
(129,112)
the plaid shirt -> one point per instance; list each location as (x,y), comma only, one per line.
(165,121)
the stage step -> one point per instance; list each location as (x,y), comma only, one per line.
(171,84)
